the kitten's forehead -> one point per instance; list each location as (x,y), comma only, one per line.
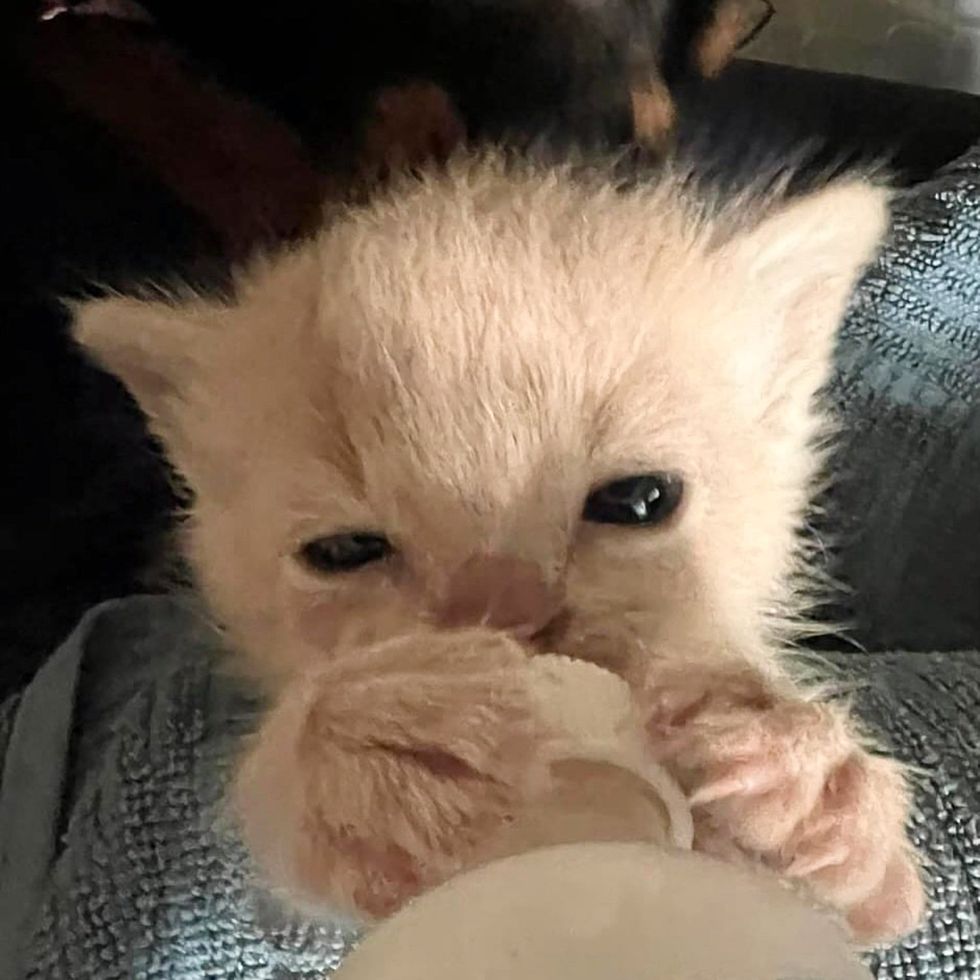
(503,285)
(490,323)
(491,339)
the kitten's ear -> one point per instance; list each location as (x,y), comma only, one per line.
(148,345)
(803,261)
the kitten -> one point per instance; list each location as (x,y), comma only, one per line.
(507,408)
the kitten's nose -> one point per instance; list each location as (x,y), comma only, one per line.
(503,592)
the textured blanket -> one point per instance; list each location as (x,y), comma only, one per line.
(116,857)
(116,860)
(904,517)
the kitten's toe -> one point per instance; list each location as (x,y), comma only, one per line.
(852,851)
(896,907)
(753,765)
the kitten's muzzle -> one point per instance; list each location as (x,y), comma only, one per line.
(502,592)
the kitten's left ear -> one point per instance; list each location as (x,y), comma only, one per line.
(801,264)
(149,346)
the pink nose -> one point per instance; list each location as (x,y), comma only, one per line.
(501,592)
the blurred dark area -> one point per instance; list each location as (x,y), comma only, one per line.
(86,503)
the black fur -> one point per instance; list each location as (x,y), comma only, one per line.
(514,67)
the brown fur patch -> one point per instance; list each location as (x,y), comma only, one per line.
(733,24)
(654,114)
(412,124)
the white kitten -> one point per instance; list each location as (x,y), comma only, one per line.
(506,408)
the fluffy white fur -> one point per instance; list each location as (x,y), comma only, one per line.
(455,365)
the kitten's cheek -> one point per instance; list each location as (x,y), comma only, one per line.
(325,623)
(317,622)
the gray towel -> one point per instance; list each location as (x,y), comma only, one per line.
(137,873)
(905,512)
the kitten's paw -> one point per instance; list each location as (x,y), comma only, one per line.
(784,780)
(377,775)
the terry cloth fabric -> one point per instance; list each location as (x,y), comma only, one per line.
(116,856)
(904,516)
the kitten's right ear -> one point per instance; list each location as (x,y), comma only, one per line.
(800,265)
(149,346)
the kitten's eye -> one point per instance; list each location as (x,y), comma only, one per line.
(344,552)
(636,500)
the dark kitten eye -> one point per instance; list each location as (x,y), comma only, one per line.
(344,552)
(635,500)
